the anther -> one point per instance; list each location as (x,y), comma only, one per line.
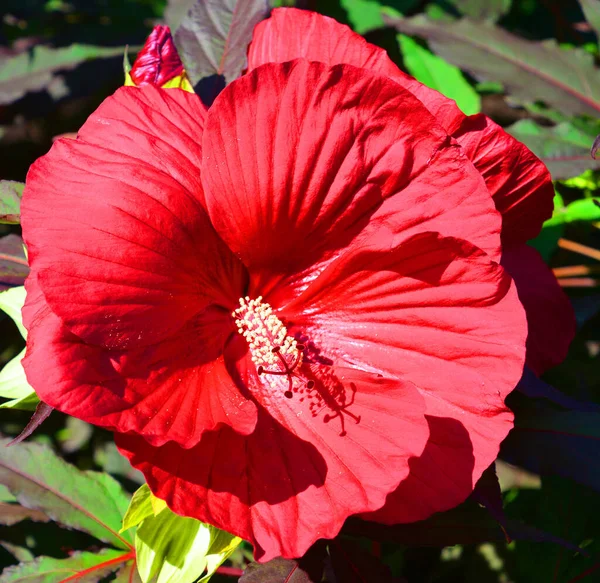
(288,394)
(260,369)
(310,384)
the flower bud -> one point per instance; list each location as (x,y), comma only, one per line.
(158,63)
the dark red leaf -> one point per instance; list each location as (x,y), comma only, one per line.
(351,564)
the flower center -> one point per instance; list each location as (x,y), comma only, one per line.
(274,353)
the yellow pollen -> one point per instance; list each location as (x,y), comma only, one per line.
(272,350)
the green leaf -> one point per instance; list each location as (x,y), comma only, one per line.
(591,11)
(436,73)
(14,386)
(552,230)
(87,501)
(22,554)
(85,567)
(140,508)
(212,41)
(365,15)
(13,263)
(175,549)
(564,148)
(10,201)
(586,209)
(489,10)
(530,71)
(13,383)
(11,302)
(33,70)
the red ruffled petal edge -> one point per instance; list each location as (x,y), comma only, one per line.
(518,181)
(295,478)
(173,391)
(129,243)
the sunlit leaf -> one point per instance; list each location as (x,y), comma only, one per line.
(212,41)
(13,263)
(15,388)
(365,15)
(140,507)
(563,148)
(10,201)
(13,383)
(85,567)
(87,501)
(565,79)
(438,74)
(33,70)
(175,549)
(11,302)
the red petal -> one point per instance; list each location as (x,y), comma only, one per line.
(300,155)
(550,316)
(518,181)
(438,313)
(294,479)
(114,222)
(158,61)
(292,34)
(175,390)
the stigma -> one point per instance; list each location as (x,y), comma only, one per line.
(273,352)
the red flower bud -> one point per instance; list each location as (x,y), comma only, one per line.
(158,62)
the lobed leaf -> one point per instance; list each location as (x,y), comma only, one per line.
(13,262)
(565,79)
(564,148)
(33,70)
(85,567)
(436,73)
(175,549)
(87,501)
(212,41)
(10,201)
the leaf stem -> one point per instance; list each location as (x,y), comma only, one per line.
(14,259)
(122,559)
(230,571)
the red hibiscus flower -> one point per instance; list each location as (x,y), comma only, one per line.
(290,306)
